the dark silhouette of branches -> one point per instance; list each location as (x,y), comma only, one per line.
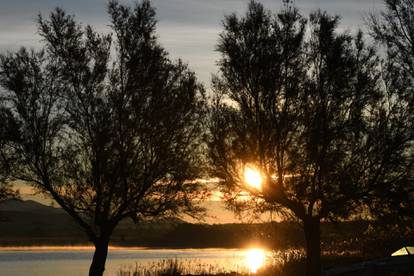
(107,135)
(310,113)
(394,30)
(7,130)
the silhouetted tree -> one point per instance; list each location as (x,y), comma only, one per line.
(308,112)
(107,135)
(394,30)
(7,192)
(8,125)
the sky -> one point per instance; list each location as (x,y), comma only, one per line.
(188,29)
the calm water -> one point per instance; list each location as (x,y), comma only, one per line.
(75,261)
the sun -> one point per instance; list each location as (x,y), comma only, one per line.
(252,177)
(255,259)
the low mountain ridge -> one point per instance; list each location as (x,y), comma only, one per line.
(17,205)
(27,222)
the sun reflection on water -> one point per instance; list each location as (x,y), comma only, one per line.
(255,259)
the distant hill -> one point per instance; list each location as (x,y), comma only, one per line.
(25,223)
(29,222)
(30,206)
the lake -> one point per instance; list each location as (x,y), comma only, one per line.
(74,261)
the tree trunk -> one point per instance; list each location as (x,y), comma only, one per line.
(313,246)
(99,257)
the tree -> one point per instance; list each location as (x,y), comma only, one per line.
(7,126)
(394,30)
(308,114)
(7,192)
(107,135)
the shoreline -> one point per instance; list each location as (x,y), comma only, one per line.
(111,247)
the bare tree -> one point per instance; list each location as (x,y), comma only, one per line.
(309,114)
(107,135)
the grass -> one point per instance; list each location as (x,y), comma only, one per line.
(283,263)
(173,267)
(339,248)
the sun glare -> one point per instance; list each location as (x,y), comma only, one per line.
(255,259)
(252,177)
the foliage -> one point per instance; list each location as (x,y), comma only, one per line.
(172,267)
(394,30)
(7,129)
(286,264)
(310,113)
(7,192)
(382,239)
(108,126)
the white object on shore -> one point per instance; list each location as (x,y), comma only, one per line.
(406,250)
